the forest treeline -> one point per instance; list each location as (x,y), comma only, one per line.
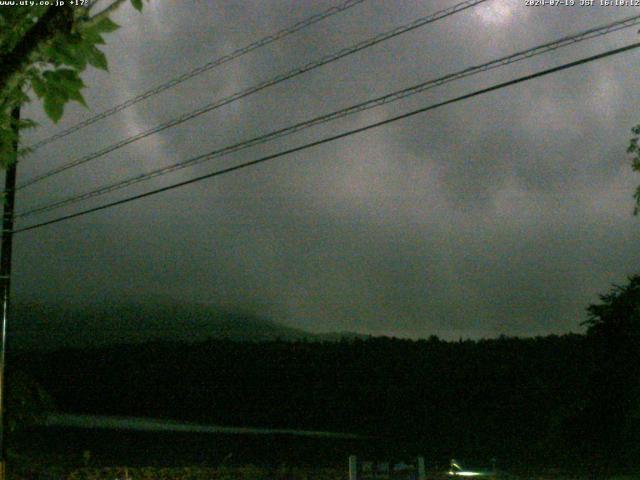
(521,400)
(571,400)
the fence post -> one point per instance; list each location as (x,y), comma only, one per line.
(353,464)
(422,475)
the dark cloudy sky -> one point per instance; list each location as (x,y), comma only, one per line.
(504,214)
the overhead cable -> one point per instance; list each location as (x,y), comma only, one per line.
(334,137)
(382,100)
(199,70)
(261,86)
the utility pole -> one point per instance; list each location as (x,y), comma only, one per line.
(5,280)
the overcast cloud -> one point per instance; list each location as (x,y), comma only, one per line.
(504,214)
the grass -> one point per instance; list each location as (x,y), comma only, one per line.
(248,472)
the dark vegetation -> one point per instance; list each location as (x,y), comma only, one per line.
(571,400)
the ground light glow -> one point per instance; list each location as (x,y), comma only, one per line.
(457,470)
(464,473)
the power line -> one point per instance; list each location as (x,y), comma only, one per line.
(261,86)
(201,69)
(336,137)
(382,100)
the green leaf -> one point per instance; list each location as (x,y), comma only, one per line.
(77,96)
(91,33)
(55,88)
(72,54)
(64,84)
(97,59)
(92,36)
(69,78)
(106,25)
(54,107)
(137,4)
(39,86)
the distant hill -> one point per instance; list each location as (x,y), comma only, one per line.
(46,326)
(509,398)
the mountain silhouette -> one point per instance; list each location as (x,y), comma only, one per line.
(43,326)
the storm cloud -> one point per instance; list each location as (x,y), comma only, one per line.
(504,214)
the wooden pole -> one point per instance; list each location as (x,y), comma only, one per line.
(5,281)
(422,475)
(353,467)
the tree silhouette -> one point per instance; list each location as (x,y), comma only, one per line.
(618,316)
(610,417)
(44,49)
(27,402)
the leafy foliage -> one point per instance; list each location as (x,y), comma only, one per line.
(137,4)
(24,468)
(27,402)
(54,66)
(570,400)
(504,397)
(619,312)
(609,425)
(634,149)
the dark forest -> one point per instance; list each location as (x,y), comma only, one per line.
(547,400)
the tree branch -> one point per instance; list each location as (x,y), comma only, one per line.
(105,12)
(55,20)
